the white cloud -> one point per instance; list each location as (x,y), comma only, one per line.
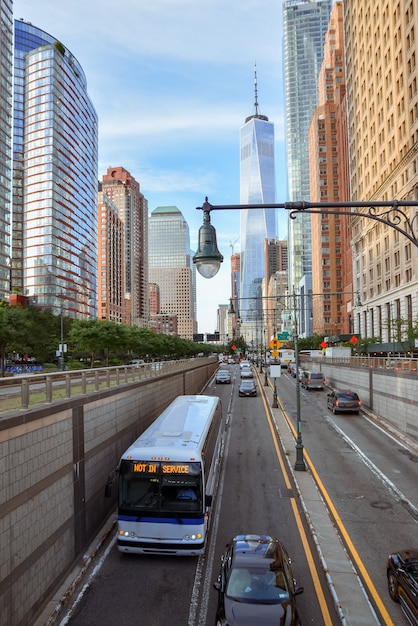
(172,83)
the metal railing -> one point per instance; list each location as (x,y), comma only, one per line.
(27,390)
(397,364)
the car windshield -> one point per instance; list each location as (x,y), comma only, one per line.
(252,585)
(317,375)
(347,395)
(412,570)
(247,384)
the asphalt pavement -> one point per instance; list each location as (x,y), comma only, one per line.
(347,590)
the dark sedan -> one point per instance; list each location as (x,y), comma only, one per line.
(402,575)
(343,402)
(256,585)
(223,376)
(247,388)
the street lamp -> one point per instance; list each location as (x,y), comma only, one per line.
(208,258)
(390,214)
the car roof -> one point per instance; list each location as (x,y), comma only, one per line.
(247,382)
(345,392)
(256,550)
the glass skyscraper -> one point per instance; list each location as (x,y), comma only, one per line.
(54,224)
(305,23)
(171,267)
(6,65)
(257,186)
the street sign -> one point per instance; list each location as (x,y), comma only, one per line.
(274,344)
(284,336)
(274,353)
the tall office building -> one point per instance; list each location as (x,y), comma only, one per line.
(54,224)
(382,97)
(125,193)
(332,302)
(275,287)
(305,23)
(111,262)
(257,186)
(172,269)
(6,64)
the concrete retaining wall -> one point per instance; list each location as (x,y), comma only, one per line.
(391,395)
(54,465)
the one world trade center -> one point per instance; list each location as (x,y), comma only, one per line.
(257,186)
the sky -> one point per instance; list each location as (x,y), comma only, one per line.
(172,82)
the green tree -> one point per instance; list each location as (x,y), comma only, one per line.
(15,332)
(86,337)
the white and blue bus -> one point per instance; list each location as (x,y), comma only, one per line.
(167,479)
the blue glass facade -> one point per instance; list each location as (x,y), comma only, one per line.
(257,186)
(55,142)
(305,25)
(6,64)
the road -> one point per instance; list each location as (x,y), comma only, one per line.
(369,478)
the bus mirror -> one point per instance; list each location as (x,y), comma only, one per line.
(208,500)
(111,477)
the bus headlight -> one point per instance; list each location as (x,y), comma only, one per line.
(126,533)
(193,537)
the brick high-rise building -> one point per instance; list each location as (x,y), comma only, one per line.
(333,297)
(111,262)
(124,191)
(382,96)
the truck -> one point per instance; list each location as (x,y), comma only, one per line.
(338,351)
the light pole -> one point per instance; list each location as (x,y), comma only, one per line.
(208,258)
(300,461)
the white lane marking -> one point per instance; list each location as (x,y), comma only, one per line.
(210,554)
(376,471)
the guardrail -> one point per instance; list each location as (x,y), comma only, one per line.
(397,364)
(25,391)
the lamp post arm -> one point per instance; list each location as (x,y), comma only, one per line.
(392,215)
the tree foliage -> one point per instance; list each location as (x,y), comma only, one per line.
(29,330)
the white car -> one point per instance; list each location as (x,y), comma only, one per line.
(244,364)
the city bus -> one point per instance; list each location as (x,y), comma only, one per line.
(168,477)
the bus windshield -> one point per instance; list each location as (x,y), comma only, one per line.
(158,486)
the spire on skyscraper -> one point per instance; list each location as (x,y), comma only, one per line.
(256,115)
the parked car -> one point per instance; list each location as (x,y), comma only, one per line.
(402,576)
(247,388)
(312,380)
(256,584)
(343,402)
(247,372)
(223,376)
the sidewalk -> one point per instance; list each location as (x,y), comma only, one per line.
(346,588)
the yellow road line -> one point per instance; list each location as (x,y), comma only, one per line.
(339,523)
(308,553)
